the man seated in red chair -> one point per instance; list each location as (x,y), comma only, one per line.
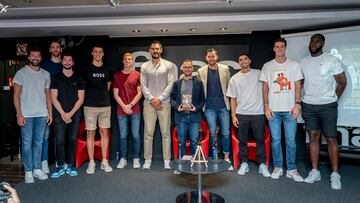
(247,112)
(187,99)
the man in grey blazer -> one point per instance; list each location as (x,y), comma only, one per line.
(215,78)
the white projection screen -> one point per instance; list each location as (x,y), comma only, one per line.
(343,43)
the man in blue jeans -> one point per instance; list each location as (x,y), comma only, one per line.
(215,78)
(53,66)
(281,78)
(33,111)
(187,99)
(127,93)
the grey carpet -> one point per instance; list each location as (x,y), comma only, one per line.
(158,185)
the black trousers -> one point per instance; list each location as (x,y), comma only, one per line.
(63,130)
(257,124)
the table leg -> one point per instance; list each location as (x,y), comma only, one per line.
(199,186)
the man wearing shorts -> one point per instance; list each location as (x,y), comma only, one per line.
(97,108)
(324,83)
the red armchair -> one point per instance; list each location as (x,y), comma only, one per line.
(251,147)
(81,154)
(204,143)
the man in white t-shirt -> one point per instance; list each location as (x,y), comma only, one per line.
(324,83)
(247,112)
(281,79)
(33,111)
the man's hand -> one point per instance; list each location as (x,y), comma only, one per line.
(158,108)
(193,109)
(49,119)
(65,118)
(295,111)
(269,113)
(235,121)
(14,196)
(155,102)
(68,115)
(127,109)
(180,109)
(21,120)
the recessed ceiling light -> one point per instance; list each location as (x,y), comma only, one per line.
(164,30)
(223,28)
(136,31)
(193,29)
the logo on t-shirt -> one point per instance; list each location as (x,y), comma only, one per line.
(98,75)
(283,83)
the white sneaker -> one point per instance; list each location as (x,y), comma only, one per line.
(91,167)
(147,164)
(37,173)
(277,172)
(335,181)
(29,178)
(177,172)
(294,174)
(136,163)
(264,170)
(167,164)
(244,168)
(122,163)
(105,166)
(45,166)
(314,176)
(231,167)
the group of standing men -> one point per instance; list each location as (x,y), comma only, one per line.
(275,92)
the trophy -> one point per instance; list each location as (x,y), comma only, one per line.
(186,101)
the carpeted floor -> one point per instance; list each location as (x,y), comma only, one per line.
(158,185)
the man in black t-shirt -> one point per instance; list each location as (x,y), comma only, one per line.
(67,95)
(97,108)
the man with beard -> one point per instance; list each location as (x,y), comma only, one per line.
(157,78)
(247,112)
(97,107)
(67,95)
(324,83)
(282,105)
(187,99)
(215,78)
(53,66)
(33,110)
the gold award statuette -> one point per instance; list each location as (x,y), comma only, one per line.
(186,101)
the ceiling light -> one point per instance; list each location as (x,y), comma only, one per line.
(193,29)
(3,8)
(136,31)
(164,30)
(228,2)
(114,3)
(223,28)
